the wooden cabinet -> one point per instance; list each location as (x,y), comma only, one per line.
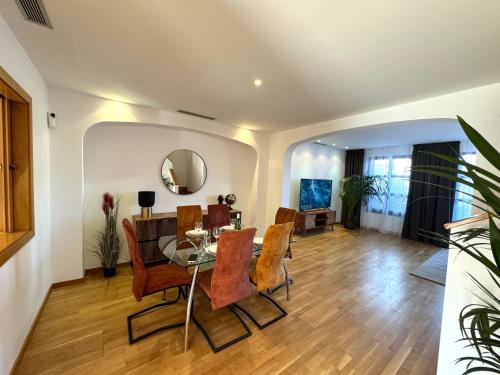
(314,219)
(149,231)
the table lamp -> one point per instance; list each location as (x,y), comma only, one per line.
(146,201)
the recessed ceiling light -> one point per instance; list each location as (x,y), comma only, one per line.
(333,144)
(346,146)
(319,141)
(257,82)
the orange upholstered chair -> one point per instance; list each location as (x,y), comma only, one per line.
(152,280)
(228,282)
(267,271)
(187,216)
(218,215)
(286,215)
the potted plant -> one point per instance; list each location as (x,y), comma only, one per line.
(479,322)
(108,244)
(356,189)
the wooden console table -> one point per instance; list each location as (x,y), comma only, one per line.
(149,231)
(314,219)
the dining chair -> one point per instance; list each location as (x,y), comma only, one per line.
(218,215)
(152,280)
(267,271)
(228,282)
(286,215)
(187,216)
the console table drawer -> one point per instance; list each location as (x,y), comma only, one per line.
(147,230)
(167,227)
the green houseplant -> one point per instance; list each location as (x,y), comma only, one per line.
(108,243)
(356,189)
(479,322)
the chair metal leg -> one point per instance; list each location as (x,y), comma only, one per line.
(184,292)
(274,320)
(216,349)
(287,283)
(132,339)
(189,308)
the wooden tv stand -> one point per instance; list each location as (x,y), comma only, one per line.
(314,219)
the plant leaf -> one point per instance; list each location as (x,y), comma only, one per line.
(482,145)
(495,241)
(465,164)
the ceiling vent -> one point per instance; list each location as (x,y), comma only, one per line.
(195,114)
(34,11)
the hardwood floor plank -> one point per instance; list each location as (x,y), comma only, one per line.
(354,310)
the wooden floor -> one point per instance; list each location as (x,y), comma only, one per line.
(354,310)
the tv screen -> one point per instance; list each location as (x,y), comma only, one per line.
(315,193)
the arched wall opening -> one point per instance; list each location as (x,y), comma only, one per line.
(124,158)
(309,159)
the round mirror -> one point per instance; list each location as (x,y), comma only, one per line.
(184,172)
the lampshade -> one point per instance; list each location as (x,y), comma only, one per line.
(146,198)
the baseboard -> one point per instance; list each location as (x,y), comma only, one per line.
(68,282)
(28,336)
(96,270)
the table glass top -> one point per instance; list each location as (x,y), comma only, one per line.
(181,256)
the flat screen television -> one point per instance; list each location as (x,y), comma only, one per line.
(315,193)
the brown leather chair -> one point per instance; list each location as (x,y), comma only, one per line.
(218,215)
(267,271)
(286,215)
(228,282)
(152,280)
(187,216)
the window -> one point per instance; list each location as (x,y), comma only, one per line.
(462,207)
(16,189)
(396,171)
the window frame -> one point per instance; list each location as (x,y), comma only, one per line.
(16,238)
(388,177)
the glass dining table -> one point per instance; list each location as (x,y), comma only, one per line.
(196,256)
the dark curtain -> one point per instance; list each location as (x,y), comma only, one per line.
(429,207)
(353,165)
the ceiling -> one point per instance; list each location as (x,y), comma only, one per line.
(396,134)
(318,59)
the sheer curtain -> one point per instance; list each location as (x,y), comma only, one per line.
(393,164)
(462,206)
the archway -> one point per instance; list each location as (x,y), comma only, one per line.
(395,133)
(123,158)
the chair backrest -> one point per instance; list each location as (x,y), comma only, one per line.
(269,269)
(230,279)
(218,215)
(140,274)
(286,215)
(187,216)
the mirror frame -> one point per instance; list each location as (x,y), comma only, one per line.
(204,165)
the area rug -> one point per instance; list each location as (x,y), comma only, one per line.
(434,268)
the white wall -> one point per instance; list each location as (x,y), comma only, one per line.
(479,106)
(455,298)
(26,277)
(132,161)
(77,112)
(310,160)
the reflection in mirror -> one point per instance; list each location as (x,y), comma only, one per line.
(184,172)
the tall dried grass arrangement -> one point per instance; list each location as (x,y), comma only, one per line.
(108,243)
